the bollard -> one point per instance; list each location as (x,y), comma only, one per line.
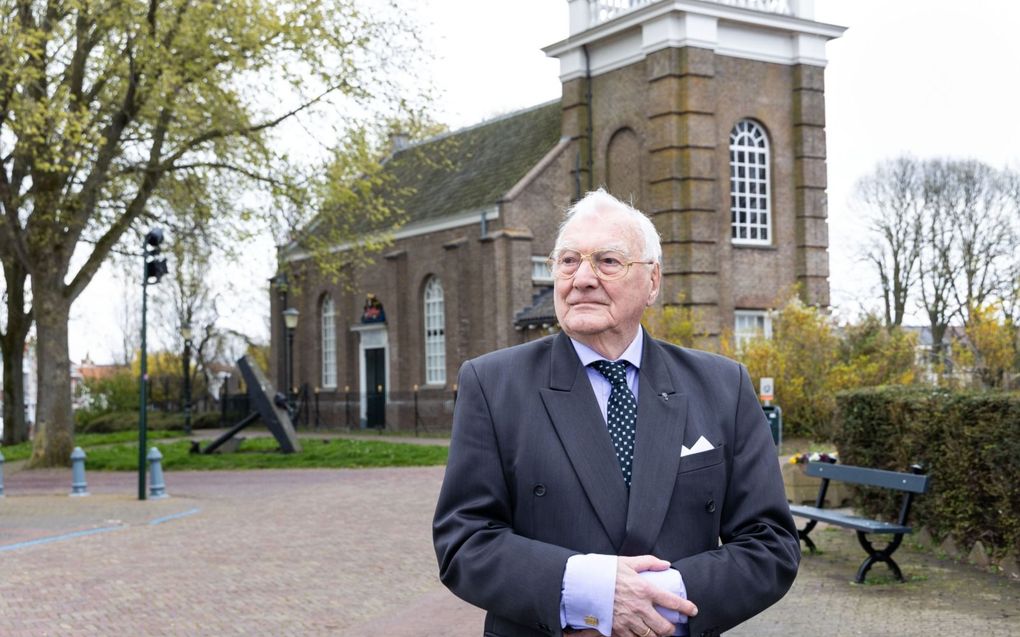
(78,484)
(1,474)
(157,489)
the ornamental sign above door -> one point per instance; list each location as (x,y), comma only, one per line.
(373,311)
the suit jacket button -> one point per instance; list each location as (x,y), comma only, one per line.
(539,490)
(543,628)
(710,506)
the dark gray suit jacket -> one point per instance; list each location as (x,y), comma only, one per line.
(533,479)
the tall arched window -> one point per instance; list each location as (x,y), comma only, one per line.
(750,212)
(435,333)
(328,342)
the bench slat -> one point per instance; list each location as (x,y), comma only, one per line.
(872,477)
(848,521)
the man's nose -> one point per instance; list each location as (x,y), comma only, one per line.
(585,276)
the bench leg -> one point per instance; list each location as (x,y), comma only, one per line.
(803,535)
(884,555)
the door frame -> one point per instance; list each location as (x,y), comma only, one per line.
(371,336)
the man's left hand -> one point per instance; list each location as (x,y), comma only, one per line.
(634,613)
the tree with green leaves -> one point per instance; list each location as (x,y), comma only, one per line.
(115,113)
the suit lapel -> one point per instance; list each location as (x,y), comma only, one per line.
(575,415)
(662,417)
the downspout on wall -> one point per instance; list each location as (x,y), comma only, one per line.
(590,127)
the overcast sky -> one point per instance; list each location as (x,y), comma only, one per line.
(925,77)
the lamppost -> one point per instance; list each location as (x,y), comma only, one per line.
(290,319)
(281,285)
(224,394)
(153,270)
(186,333)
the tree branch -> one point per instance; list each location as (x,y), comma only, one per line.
(109,239)
(245,130)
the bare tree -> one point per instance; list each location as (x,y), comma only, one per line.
(893,197)
(985,238)
(1010,295)
(945,234)
(193,302)
(938,265)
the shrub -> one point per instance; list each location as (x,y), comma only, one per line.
(810,361)
(870,354)
(968,442)
(675,323)
(115,393)
(989,351)
(115,421)
(800,357)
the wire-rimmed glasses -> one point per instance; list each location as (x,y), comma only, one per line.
(608,265)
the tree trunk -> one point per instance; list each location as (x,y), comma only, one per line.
(15,424)
(12,344)
(54,422)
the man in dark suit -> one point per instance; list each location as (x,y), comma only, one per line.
(603,482)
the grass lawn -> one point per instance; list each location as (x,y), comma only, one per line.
(114,452)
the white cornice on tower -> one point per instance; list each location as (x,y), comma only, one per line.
(743,29)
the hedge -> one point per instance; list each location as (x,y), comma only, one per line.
(115,421)
(969,443)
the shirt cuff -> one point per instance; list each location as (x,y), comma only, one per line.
(589,585)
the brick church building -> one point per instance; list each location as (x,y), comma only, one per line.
(708,115)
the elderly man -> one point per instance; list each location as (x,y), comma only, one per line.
(603,482)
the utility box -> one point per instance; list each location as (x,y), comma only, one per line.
(775,417)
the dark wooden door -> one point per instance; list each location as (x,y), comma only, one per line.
(375,387)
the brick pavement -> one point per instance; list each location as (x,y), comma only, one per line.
(348,552)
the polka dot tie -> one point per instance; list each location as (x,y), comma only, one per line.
(621,413)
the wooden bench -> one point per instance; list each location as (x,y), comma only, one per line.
(908,483)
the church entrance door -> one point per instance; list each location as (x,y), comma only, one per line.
(375,387)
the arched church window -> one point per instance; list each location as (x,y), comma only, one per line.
(328,349)
(750,187)
(435,333)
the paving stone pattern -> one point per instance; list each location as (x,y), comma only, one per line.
(348,552)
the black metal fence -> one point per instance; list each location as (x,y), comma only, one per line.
(418,411)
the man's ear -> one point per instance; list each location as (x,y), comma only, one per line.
(656,281)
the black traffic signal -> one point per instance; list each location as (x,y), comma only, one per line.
(154,268)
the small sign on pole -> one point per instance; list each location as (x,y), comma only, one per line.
(766,391)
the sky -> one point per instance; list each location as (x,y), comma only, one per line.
(930,78)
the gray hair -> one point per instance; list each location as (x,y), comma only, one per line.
(599,201)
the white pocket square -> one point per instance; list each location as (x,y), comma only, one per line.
(700,445)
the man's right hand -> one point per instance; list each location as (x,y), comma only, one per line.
(634,613)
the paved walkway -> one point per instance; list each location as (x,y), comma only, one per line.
(348,552)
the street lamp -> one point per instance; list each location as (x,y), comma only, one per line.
(290,319)
(281,284)
(186,333)
(224,393)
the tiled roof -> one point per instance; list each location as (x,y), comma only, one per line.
(540,313)
(98,372)
(473,167)
(454,173)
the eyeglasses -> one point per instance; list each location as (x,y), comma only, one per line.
(608,265)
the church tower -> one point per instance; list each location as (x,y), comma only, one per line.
(710,117)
